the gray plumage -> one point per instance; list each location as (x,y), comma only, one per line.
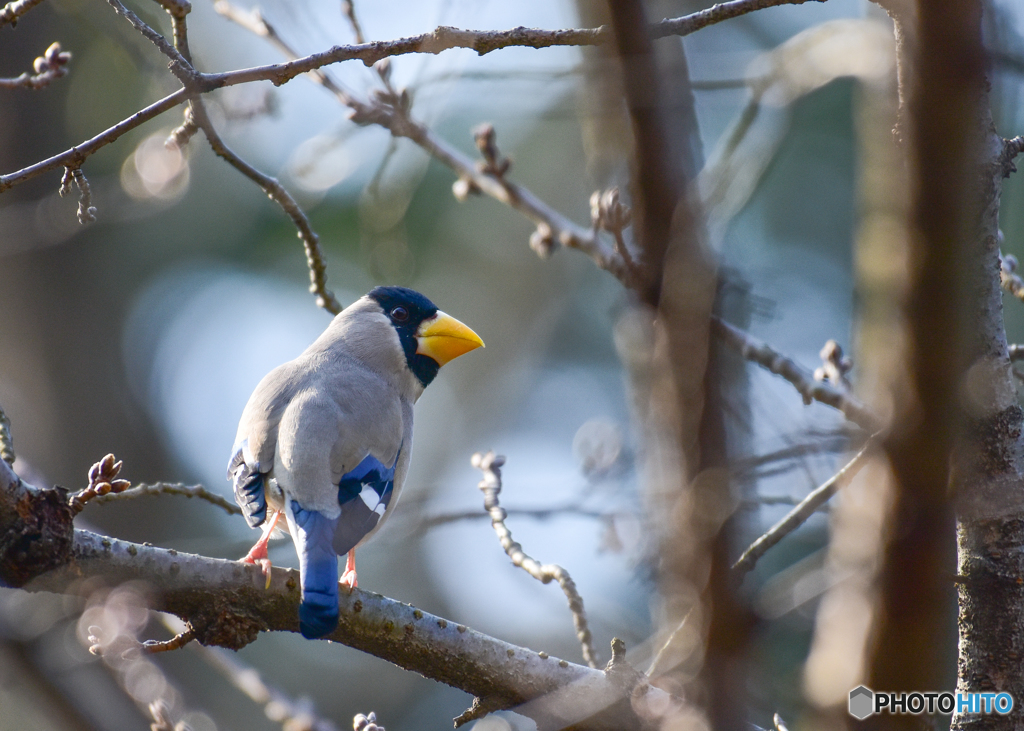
(326,439)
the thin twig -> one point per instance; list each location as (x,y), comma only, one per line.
(49,67)
(715,14)
(167,488)
(535,513)
(799,515)
(175,643)
(655,667)
(349,9)
(388,110)
(76,155)
(369,53)
(490,464)
(1016,352)
(14,10)
(179,65)
(310,241)
(86,210)
(764,355)
(274,190)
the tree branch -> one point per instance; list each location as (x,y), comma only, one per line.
(490,464)
(225,603)
(77,155)
(444,38)
(761,353)
(799,515)
(276,192)
(166,488)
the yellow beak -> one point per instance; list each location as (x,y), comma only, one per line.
(444,338)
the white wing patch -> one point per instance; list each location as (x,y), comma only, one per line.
(372,500)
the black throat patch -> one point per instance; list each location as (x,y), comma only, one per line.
(396,301)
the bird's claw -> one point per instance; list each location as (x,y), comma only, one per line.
(263,562)
(348,580)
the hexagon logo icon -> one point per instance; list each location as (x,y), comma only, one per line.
(862,702)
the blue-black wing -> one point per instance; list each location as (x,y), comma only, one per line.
(364,493)
(249,484)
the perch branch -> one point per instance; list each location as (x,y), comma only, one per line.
(226,603)
(490,464)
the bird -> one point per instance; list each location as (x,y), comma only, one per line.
(325,440)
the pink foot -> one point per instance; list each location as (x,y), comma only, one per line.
(348,579)
(258,553)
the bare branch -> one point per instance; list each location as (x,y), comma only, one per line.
(49,67)
(86,210)
(552,227)
(167,488)
(444,38)
(77,155)
(227,603)
(715,14)
(175,643)
(14,10)
(277,193)
(179,66)
(1016,352)
(761,353)
(349,9)
(490,464)
(391,111)
(799,515)
(535,513)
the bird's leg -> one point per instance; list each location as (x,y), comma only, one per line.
(348,578)
(258,553)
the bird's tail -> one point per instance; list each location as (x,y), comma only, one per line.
(318,567)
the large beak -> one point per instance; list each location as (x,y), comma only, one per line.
(444,338)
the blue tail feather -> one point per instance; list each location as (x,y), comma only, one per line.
(318,568)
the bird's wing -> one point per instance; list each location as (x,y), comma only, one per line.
(256,440)
(363,494)
(249,484)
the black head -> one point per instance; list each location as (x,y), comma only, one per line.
(407,309)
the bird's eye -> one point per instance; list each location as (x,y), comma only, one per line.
(399,314)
